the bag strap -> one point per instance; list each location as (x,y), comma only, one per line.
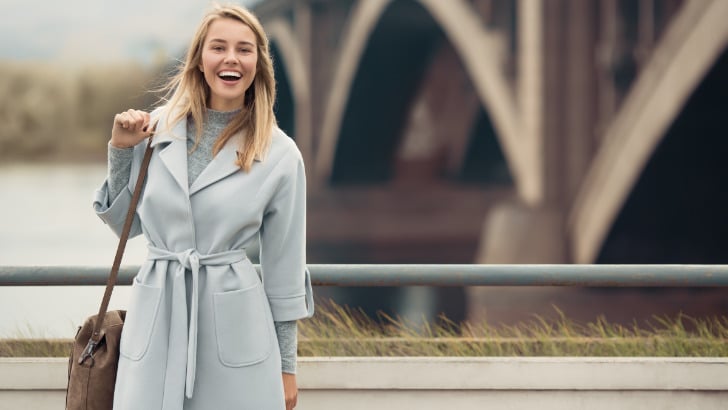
(96,336)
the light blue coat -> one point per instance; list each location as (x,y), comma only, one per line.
(199,330)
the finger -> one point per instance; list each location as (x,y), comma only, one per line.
(121,120)
(290,402)
(136,120)
(145,120)
(147,124)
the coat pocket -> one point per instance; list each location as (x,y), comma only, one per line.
(140,319)
(242,327)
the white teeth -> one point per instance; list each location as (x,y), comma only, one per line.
(230,74)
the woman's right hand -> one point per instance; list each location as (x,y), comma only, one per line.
(130,128)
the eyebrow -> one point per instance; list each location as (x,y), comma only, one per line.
(219,40)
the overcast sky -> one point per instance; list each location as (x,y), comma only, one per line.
(97,30)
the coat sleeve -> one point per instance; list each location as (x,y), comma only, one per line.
(113,213)
(286,279)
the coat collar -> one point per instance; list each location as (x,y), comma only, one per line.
(173,150)
(173,153)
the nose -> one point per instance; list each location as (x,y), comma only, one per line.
(230,57)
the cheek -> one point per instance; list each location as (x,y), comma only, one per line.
(208,68)
(210,60)
(251,66)
(251,62)
(205,62)
(208,79)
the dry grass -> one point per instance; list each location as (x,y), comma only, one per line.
(341,331)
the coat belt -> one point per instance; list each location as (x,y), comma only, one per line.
(190,260)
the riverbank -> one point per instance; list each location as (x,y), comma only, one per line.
(63,113)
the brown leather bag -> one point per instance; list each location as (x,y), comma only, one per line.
(95,353)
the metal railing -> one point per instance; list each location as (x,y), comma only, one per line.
(423,275)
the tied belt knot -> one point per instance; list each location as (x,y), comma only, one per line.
(190,260)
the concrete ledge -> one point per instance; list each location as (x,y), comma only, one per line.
(515,373)
(449,382)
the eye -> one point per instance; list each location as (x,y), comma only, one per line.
(217,48)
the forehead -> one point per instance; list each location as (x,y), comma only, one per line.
(231,31)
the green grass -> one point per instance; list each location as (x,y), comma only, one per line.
(342,331)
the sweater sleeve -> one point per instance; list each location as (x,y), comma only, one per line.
(287,333)
(111,201)
(119,160)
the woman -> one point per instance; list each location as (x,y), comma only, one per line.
(203,329)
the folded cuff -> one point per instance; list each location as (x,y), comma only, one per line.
(293,307)
(113,214)
(285,309)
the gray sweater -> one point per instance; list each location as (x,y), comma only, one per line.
(119,171)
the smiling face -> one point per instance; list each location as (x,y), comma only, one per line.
(229,60)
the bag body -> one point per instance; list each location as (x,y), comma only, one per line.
(91,381)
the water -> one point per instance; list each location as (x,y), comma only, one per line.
(46,219)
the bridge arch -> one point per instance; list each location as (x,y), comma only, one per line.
(460,24)
(284,107)
(690,47)
(297,77)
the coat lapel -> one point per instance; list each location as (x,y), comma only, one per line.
(174,154)
(174,157)
(222,165)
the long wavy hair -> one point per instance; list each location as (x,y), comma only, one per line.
(188,92)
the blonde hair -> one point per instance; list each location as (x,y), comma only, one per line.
(187,91)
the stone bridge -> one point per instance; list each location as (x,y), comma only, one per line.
(499,131)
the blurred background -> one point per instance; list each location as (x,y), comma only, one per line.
(459,131)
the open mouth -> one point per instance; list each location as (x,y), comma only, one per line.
(229,75)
